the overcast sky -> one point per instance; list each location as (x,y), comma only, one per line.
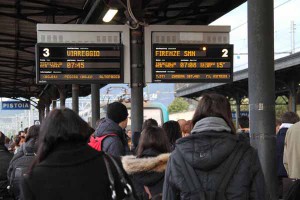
(285,11)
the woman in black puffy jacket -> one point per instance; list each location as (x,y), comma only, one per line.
(212,163)
(147,169)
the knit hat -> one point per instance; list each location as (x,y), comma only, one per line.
(117,112)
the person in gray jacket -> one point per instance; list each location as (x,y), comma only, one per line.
(113,126)
(212,162)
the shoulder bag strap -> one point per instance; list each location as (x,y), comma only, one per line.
(231,165)
(126,185)
(110,177)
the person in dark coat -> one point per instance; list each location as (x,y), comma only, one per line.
(22,160)
(173,131)
(136,135)
(147,168)
(114,123)
(65,166)
(5,158)
(202,156)
(287,120)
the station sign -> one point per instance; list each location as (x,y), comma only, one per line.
(79,63)
(15,105)
(192,63)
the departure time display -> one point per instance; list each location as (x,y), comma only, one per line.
(79,63)
(188,63)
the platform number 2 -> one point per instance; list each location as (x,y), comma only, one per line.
(46,52)
(225,53)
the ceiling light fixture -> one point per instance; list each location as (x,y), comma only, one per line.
(109,15)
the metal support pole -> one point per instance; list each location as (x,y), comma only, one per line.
(137,80)
(75,98)
(262,88)
(53,104)
(95,104)
(47,109)
(41,109)
(293,96)
(238,110)
(62,96)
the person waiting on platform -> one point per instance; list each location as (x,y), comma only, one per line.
(147,168)
(5,157)
(66,167)
(136,135)
(212,162)
(287,120)
(22,160)
(182,123)
(244,131)
(111,131)
(173,131)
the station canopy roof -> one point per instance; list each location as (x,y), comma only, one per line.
(18,19)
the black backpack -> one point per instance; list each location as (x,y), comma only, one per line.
(20,168)
(196,189)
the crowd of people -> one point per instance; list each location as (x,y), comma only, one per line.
(202,158)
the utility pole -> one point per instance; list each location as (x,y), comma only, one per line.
(293,29)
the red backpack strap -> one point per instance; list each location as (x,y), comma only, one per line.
(96,142)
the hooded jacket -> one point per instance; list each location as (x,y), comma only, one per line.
(149,170)
(206,151)
(113,145)
(21,160)
(291,157)
(5,158)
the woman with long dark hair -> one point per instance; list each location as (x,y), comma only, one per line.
(172,128)
(65,166)
(212,162)
(147,168)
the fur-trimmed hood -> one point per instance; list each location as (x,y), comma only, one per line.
(134,165)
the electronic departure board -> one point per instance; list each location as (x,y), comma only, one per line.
(79,63)
(190,63)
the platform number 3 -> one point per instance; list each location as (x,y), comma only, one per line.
(46,52)
(225,53)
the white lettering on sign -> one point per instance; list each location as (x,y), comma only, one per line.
(15,105)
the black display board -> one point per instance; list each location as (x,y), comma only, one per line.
(192,63)
(79,63)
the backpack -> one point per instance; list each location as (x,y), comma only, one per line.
(20,168)
(196,189)
(97,142)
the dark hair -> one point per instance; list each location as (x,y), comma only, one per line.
(155,138)
(244,121)
(17,140)
(60,126)
(278,122)
(26,130)
(20,132)
(2,138)
(149,122)
(289,117)
(33,132)
(172,128)
(214,105)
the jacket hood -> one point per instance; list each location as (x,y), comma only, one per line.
(108,126)
(30,146)
(208,146)
(134,165)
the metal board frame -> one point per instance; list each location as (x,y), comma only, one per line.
(70,33)
(75,81)
(189,30)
